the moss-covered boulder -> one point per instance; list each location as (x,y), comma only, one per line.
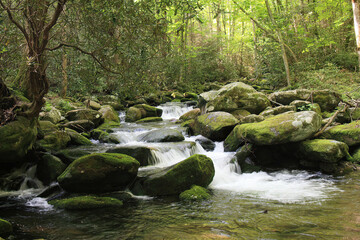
(85,114)
(234,96)
(347,133)
(302,105)
(214,125)
(141,153)
(323,150)
(277,110)
(108,126)
(150,119)
(76,138)
(192,114)
(16,139)
(86,202)
(92,104)
(109,114)
(5,228)
(162,135)
(283,128)
(140,111)
(53,115)
(206,143)
(351,114)
(99,172)
(80,125)
(356,155)
(195,193)
(70,154)
(55,141)
(243,157)
(327,100)
(49,168)
(195,170)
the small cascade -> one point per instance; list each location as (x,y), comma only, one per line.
(30,180)
(174,110)
(122,115)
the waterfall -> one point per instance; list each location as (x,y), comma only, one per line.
(174,110)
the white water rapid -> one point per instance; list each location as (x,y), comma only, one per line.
(283,186)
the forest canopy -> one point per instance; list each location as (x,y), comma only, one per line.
(129,48)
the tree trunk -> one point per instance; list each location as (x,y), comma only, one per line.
(356,11)
(65,75)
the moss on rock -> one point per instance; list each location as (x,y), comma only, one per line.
(5,228)
(347,133)
(150,119)
(16,139)
(215,125)
(109,114)
(49,168)
(99,172)
(195,170)
(162,135)
(77,138)
(195,193)
(192,114)
(86,202)
(280,129)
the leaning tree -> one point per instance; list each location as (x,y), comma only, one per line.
(35,19)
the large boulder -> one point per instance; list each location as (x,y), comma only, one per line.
(195,170)
(347,133)
(190,115)
(86,202)
(16,139)
(53,138)
(99,172)
(234,96)
(214,125)
(280,129)
(85,114)
(77,139)
(109,114)
(53,115)
(162,135)
(277,110)
(80,125)
(140,111)
(327,99)
(92,104)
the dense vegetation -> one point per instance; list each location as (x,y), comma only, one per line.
(130,48)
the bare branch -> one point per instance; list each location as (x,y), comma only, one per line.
(17,24)
(84,52)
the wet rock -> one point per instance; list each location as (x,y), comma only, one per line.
(109,114)
(85,114)
(16,139)
(195,170)
(347,133)
(49,168)
(195,193)
(140,111)
(233,96)
(86,202)
(206,143)
(162,135)
(76,138)
(215,125)
(280,129)
(108,126)
(243,157)
(150,119)
(192,114)
(99,172)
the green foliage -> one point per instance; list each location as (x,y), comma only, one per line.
(306,107)
(65,105)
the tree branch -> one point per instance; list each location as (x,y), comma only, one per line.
(84,52)
(55,17)
(18,25)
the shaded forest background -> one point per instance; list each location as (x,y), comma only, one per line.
(131,48)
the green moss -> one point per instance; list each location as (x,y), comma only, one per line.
(197,169)
(282,128)
(109,114)
(187,123)
(356,155)
(190,115)
(5,228)
(99,172)
(133,114)
(55,141)
(77,138)
(86,202)
(150,119)
(195,193)
(16,139)
(107,126)
(323,150)
(347,133)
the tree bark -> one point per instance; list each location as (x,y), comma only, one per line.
(356,12)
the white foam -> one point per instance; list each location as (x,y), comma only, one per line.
(174,110)
(40,203)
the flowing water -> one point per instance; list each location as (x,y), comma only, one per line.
(264,205)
